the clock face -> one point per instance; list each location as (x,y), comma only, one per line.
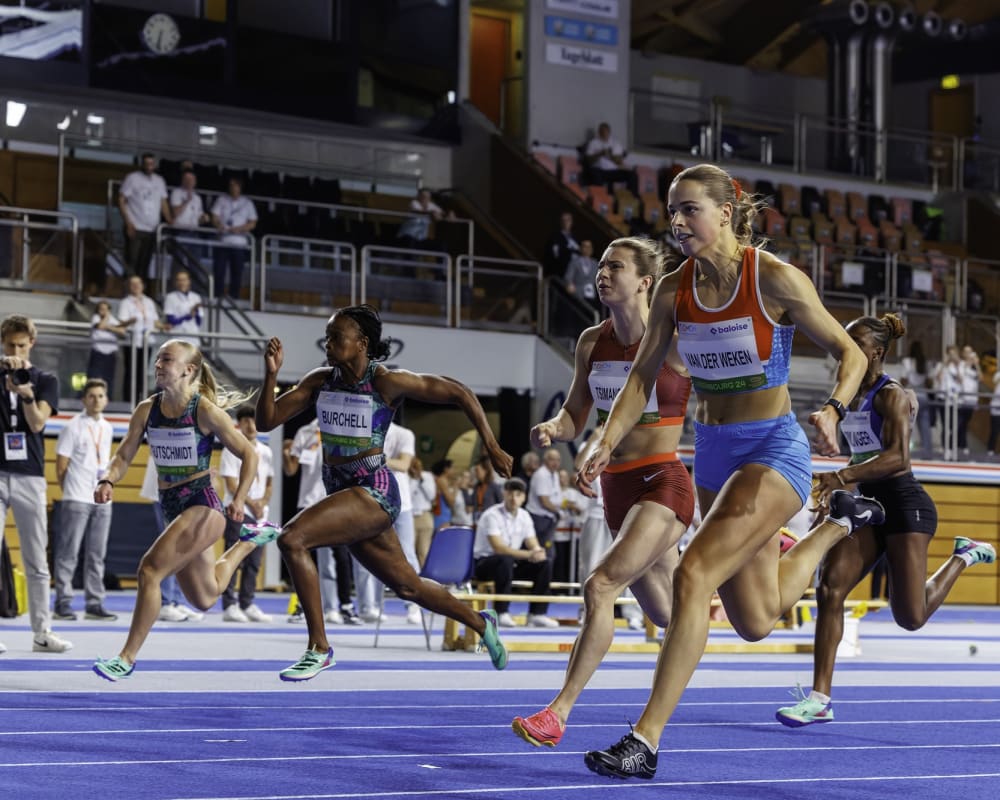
(161,34)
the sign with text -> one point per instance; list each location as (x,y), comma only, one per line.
(578,30)
(581,57)
(595,8)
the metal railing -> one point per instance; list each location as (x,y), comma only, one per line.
(318,266)
(498,292)
(406,284)
(23,221)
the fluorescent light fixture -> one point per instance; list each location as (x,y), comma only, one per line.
(207,130)
(95,119)
(413,157)
(64,124)
(15,113)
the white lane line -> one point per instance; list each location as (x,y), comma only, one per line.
(491,753)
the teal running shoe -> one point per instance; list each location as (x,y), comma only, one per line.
(309,666)
(260,532)
(973,552)
(491,640)
(804,712)
(114,669)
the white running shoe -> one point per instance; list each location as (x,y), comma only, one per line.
(234,614)
(333,616)
(370,614)
(254,614)
(541,621)
(48,642)
(3,648)
(413,616)
(172,613)
(505,620)
(190,614)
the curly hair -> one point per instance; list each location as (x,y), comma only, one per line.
(370,324)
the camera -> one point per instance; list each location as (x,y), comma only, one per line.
(18,377)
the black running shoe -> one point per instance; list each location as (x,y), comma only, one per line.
(99,612)
(63,611)
(350,616)
(630,758)
(857,510)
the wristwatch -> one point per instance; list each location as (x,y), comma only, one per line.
(837,406)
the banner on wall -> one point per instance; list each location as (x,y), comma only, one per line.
(581,31)
(581,57)
(595,8)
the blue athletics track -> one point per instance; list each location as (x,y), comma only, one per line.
(205,716)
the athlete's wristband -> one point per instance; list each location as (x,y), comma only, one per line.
(837,406)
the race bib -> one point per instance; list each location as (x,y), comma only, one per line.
(721,356)
(175,450)
(861,439)
(345,419)
(607,379)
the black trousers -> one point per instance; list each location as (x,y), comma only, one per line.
(502,570)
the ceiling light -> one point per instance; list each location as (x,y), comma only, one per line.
(15,113)
(95,119)
(207,130)
(64,124)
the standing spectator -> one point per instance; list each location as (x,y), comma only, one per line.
(32,397)
(567,528)
(234,216)
(545,497)
(142,199)
(561,247)
(488,489)
(83,451)
(416,231)
(970,374)
(105,331)
(182,310)
(506,548)
(445,493)
(185,203)
(139,312)
(172,607)
(606,159)
(581,275)
(916,377)
(334,563)
(255,510)
(423,493)
(530,462)
(991,443)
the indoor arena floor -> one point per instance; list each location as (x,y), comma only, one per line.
(205,716)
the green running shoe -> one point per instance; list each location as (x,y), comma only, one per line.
(260,532)
(491,640)
(805,712)
(309,666)
(974,552)
(114,669)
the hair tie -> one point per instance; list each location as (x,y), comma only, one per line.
(737,188)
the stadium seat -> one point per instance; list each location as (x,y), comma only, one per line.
(867,233)
(652,210)
(547,162)
(626,204)
(857,206)
(789,199)
(902,211)
(812,201)
(846,234)
(647,180)
(835,205)
(800,231)
(600,200)
(773,223)
(569,174)
(891,237)
(878,209)
(822,229)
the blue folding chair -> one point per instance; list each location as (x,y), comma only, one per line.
(449,562)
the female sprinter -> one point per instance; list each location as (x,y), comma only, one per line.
(181,421)
(648,498)
(734,309)
(355,398)
(877,429)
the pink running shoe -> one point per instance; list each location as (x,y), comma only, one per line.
(541,728)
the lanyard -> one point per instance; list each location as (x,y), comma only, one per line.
(13,411)
(96,440)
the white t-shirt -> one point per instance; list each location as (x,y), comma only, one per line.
(143,310)
(144,195)
(401,441)
(544,483)
(513,529)
(234,213)
(423,492)
(103,341)
(598,145)
(229,467)
(179,306)
(86,442)
(190,215)
(306,448)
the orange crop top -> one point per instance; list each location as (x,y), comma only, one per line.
(610,364)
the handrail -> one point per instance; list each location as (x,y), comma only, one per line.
(265,248)
(26,224)
(444,263)
(470,262)
(214,242)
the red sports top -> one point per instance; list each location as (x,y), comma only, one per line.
(610,363)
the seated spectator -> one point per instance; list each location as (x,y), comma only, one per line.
(182,310)
(506,548)
(105,333)
(415,232)
(605,158)
(581,275)
(561,248)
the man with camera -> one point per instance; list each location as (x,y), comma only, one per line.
(32,396)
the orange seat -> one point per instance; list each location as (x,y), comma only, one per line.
(846,233)
(902,211)
(799,229)
(569,174)
(773,223)
(857,206)
(626,204)
(600,200)
(891,236)
(835,206)
(646,179)
(913,239)
(790,199)
(822,229)
(867,233)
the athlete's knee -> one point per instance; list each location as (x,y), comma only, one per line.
(907,619)
(691,580)
(599,588)
(292,539)
(407,591)
(149,570)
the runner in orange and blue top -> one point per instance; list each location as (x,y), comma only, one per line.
(877,429)
(648,497)
(734,308)
(354,398)
(180,422)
